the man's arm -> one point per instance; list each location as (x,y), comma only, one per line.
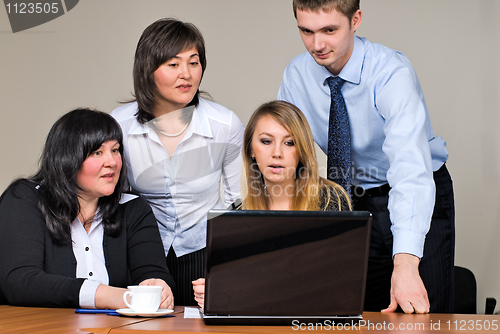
(411,199)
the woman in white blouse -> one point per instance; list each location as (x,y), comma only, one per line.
(179,147)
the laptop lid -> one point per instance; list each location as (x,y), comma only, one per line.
(286,263)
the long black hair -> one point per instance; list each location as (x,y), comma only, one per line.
(72,138)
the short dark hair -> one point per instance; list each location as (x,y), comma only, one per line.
(346,7)
(72,138)
(159,42)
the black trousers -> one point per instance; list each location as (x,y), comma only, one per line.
(437,264)
(184,270)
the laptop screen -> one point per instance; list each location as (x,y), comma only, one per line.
(286,263)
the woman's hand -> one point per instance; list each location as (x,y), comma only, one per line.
(199,291)
(108,297)
(167,297)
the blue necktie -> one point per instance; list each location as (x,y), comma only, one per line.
(339,137)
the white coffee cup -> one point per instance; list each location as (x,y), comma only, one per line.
(143,298)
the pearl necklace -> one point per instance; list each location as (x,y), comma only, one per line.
(174,135)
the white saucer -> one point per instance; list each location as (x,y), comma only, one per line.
(130,313)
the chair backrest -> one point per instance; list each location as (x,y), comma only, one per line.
(465,291)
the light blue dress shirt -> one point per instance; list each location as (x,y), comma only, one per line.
(391,133)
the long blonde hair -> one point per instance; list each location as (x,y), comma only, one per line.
(312,192)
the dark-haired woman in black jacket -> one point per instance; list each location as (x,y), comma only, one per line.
(69,237)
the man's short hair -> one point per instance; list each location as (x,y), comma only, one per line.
(346,7)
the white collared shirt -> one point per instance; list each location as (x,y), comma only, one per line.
(89,255)
(181,189)
(90,263)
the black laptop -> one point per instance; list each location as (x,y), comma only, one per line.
(285,267)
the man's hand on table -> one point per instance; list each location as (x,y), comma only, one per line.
(407,288)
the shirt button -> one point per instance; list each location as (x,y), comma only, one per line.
(87,249)
(91,274)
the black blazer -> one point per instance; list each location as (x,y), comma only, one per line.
(34,271)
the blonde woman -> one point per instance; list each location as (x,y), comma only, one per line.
(280,163)
(281,172)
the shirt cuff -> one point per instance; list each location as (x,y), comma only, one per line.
(87,293)
(408,242)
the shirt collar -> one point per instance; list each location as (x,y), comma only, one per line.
(199,124)
(137,128)
(352,69)
(95,222)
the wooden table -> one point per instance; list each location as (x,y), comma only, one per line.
(55,321)
(52,320)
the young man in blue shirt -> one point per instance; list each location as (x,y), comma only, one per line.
(397,165)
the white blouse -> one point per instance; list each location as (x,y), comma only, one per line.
(181,189)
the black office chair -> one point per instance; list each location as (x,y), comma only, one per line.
(466,293)
(490,306)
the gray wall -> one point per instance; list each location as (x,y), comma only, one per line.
(84,58)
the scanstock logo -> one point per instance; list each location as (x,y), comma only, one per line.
(25,14)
